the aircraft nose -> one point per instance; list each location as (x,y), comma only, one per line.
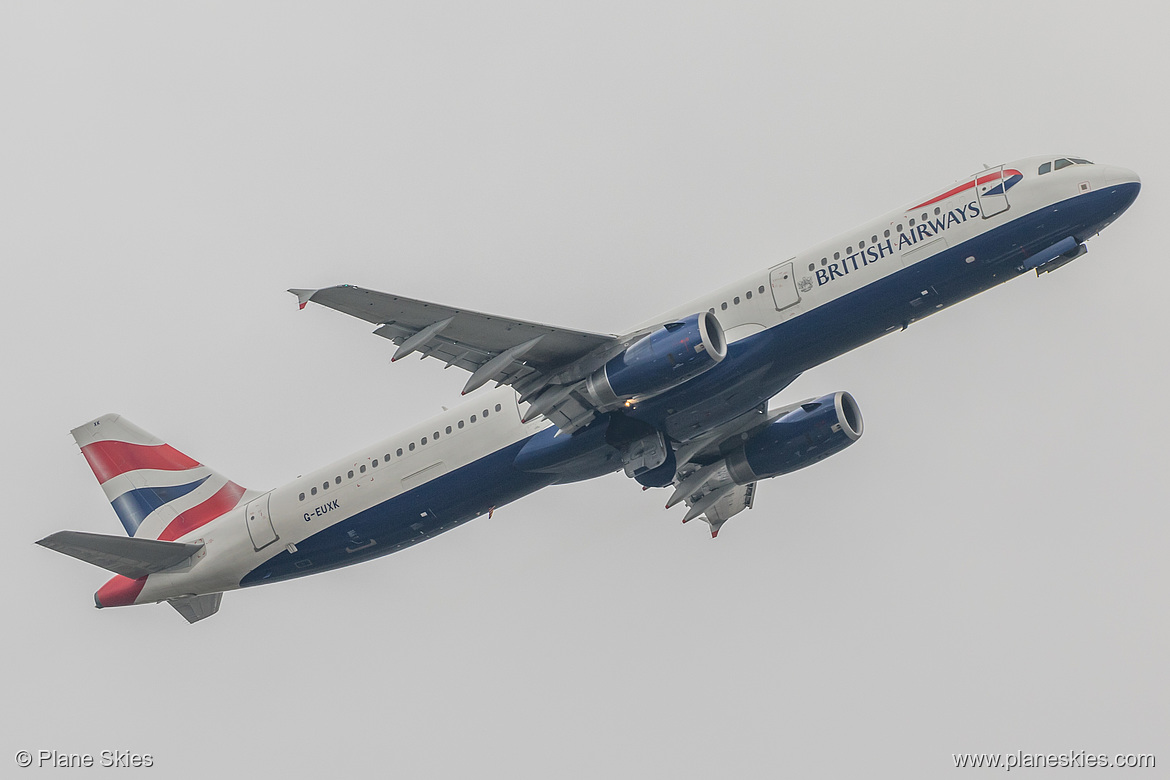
(1117,175)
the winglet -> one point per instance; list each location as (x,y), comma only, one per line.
(303,296)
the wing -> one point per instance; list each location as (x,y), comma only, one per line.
(530,357)
(703,481)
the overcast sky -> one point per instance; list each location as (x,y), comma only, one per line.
(986,570)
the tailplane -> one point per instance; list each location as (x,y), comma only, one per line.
(156,491)
(133,558)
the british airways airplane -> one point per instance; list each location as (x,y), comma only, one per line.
(679,402)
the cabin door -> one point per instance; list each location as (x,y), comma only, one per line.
(991,192)
(260,523)
(784,286)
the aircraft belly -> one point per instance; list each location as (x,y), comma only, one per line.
(413,516)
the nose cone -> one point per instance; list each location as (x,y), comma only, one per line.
(1117,175)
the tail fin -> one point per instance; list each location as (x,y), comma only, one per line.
(156,491)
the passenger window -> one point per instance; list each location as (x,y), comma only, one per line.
(424,441)
(325,485)
(812,266)
(435,435)
(848,251)
(375,463)
(302,498)
(448,429)
(1062,163)
(362,470)
(762,286)
(400,452)
(411,447)
(836,255)
(937,211)
(350,475)
(887,234)
(485,413)
(899,228)
(748,294)
(460,426)
(873,238)
(735,300)
(911,223)
(313,491)
(473,416)
(722,306)
(337,479)
(386,459)
(498,407)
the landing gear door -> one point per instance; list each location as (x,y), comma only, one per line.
(991,192)
(784,287)
(260,527)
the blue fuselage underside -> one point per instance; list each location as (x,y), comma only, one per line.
(755,369)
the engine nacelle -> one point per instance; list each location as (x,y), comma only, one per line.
(804,436)
(662,360)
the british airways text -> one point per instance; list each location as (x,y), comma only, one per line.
(905,239)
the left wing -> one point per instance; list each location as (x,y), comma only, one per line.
(534,359)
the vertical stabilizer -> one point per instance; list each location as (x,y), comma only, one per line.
(156,491)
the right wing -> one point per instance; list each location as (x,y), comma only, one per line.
(536,360)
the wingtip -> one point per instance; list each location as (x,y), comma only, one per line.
(303,296)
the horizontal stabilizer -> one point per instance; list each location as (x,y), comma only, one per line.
(130,557)
(195,608)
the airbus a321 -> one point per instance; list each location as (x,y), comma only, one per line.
(679,402)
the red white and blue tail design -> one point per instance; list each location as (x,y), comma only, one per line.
(156,491)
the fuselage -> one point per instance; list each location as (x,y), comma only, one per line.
(780,321)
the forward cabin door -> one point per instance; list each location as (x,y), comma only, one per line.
(990,192)
(784,286)
(260,523)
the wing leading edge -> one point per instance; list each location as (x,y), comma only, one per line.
(531,357)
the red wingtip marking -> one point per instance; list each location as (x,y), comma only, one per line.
(303,305)
(714,534)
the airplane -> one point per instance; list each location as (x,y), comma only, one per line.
(681,401)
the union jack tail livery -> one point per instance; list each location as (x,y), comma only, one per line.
(156,491)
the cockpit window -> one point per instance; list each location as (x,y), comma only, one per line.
(1045,168)
(1063,163)
(1079,161)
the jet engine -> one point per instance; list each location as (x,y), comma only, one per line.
(659,361)
(806,435)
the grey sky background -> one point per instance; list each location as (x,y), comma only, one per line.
(984,571)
